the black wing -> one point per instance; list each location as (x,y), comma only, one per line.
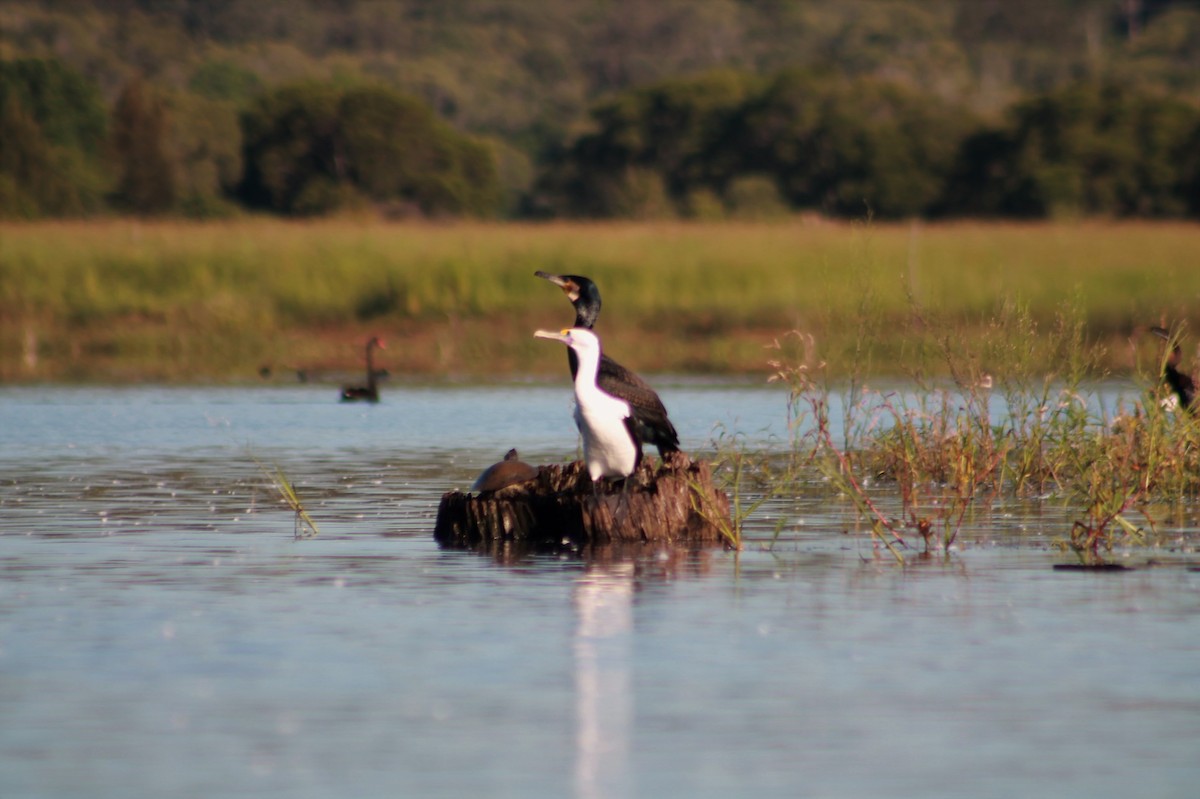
(1183,386)
(631,425)
(650,421)
(1180,382)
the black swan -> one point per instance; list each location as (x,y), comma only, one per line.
(369,392)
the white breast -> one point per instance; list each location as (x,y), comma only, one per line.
(607,447)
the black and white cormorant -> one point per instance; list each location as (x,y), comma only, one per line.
(510,471)
(369,392)
(611,447)
(649,413)
(1180,382)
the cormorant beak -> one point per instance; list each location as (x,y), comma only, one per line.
(563,335)
(569,287)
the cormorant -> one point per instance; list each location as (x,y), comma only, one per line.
(507,472)
(369,392)
(1180,382)
(610,444)
(649,413)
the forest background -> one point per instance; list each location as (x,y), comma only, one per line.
(731,111)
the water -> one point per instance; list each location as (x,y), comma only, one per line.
(163,634)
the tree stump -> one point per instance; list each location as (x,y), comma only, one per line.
(559,511)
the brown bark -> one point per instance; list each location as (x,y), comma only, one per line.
(559,511)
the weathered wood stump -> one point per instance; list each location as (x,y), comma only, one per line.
(559,510)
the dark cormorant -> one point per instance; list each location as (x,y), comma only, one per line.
(610,444)
(369,392)
(1180,382)
(649,413)
(507,472)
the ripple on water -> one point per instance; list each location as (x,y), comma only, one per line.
(163,633)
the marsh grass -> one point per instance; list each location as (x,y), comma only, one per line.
(751,479)
(950,446)
(124,300)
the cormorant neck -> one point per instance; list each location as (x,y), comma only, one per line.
(588,365)
(586,314)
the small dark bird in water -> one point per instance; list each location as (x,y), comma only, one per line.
(649,414)
(507,472)
(1180,382)
(369,392)
(611,447)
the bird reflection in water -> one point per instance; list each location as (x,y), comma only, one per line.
(604,699)
(603,681)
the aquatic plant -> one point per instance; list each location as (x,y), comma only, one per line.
(948,448)
(750,479)
(304,527)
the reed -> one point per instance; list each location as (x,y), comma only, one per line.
(751,480)
(304,526)
(122,300)
(950,447)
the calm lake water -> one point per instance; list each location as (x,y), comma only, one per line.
(162,633)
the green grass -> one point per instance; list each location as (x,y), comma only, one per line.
(944,452)
(125,300)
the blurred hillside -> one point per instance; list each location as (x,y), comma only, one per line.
(600,107)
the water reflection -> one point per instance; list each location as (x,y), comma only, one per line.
(603,600)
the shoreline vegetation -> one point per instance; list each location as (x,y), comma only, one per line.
(960,312)
(950,452)
(126,301)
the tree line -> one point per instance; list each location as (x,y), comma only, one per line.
(302,149)
(722,143)
(731,144)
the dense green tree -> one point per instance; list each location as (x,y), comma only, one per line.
(313,148)
(140,140)
(67,107)
(25,161)
(1189,173)
(1088,149)
(224,80)
(987,179)
(853,147)
(52,129)
(205,140)
(288,137)
(651,149)
(842,147)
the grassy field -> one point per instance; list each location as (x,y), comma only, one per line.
(124,301)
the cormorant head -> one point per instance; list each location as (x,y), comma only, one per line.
(376,341)
(1176,354)
(582,293)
